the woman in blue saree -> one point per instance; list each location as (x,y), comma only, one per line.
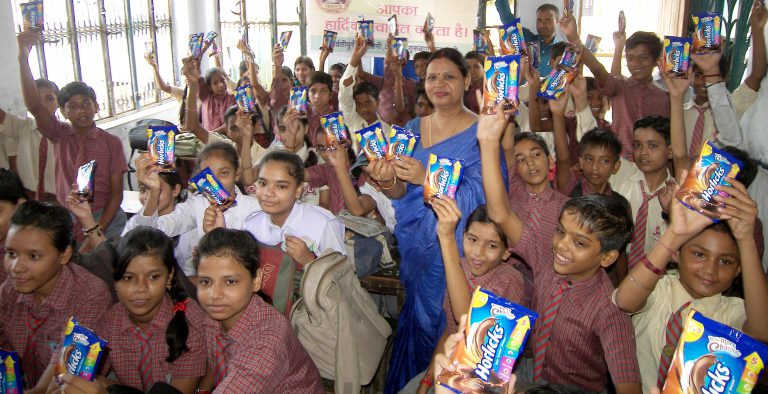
(449,132)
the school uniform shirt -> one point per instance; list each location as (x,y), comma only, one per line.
(347,106)
(627,183)
(213,106)
(504,280)
(747,133)
(23,132)
(386,86)
(305,221)
(523,202)
(691,116)
(72,150)
(383,205)
(77,293)
(262,354)
(667,297)
(125,345)
(590,337)
(579,186)
(630,101)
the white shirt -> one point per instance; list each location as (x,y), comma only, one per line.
(310,195)
(383,204)
(21,138)
(317,224)
(347,106)
(748,134)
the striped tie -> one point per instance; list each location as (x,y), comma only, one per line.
(42,161)
(545,329)
(637,250)
(220,368)
(671,335)
(31,349)
(698,133)
(145,358)
(536,213)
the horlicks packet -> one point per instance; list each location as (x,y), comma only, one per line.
(622,22)
(196,45)
(712,358)
(511,39)
(84,180)
(554,84)
(706,32)
(568,7)
(329,39)
(393,29)
(677,56)
(593,43)
(400,46)
(570,59)
(336,130)
(502,78)
(207,184)
(244,97)
(32,15)
(80,351)
(210,42)
(401,142)
(285,38)
(372,142)
(365,29)
(480,40)
(443,177)
(161,146)
(299,100)
(708,172)
(11,381)
(494,337)
(429,24)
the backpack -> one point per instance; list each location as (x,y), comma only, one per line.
(338,323)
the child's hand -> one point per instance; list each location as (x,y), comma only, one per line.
(191,69)
(71,384)
(381,171)
(558,106)
(147,173)
(278,56)
(619,39)
(448,216)
(150,59)
(531,75)
(684,223)
(244,123)
(410,170)
(26,40)
(337,156)
(666,195)
(709,63)
(578,87)
(213,218)
(758,17)
(298,250)
(676,86)
(80,208)
(569,28)
(490,128)
(740,210)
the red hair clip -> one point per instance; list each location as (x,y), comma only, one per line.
(180,306)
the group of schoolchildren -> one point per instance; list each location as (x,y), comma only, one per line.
(587,231)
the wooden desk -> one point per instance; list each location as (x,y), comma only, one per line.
(387,283)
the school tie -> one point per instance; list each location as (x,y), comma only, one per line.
(637,250)
(42,161)
(698,133)
(145,358)
(545,329)
(33,325)
(536,213)
(672,336)
(220,359)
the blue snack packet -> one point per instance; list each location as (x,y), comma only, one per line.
(710,170)
(512,40)
(570,59)
(706,32)
(81,351)
(196,45)
(161,145)
(494,338)
(365,29)
(677,56)
(336,131)
(443,177)
(285,38)
(534,53)
(400,46)
(32,15)
(244,97)
(372,142)
(401,142)
(206,183)
(554,84)
(714,358)
(429,24)
(299,97)
(592,43)
(480,40)
(11,381)
(502,80)
(329,39)
(84,180)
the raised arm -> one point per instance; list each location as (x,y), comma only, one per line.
(249,171)
(533,77)
(324,52)
(757,25)
(569,27)
(563,162)
(159,81)
(358,205)
(191,71)
(448,216)
(585,120)
(619,41)
(26,40)
(677,88)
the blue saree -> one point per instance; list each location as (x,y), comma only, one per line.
(422,320)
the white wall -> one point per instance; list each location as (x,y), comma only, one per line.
(10,89)
(526,11)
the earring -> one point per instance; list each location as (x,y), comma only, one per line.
(168,287)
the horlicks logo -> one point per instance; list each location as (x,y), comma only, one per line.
(708,33)
(442,181)
(209,188)
(676,54)
(706,195)
(161,146)
(80,338)
(719,344)
(718,378)
(74,361)
(557,80)
(514,40)
(484,367)
(497,310)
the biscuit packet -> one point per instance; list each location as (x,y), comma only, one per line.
(365,29)
(161,145)
(511,39)
(592,43)
(494,337)
(714,358)
(443,177)
(479,40)
(196,45)
(570,59)
(11,380)
(32,15)
(372,142)
(393,28)
(299,97)
(555,83)
(336,131)
(429,24)
(502,79)
(329,39)
(285,38)
(677,56)
(706,32)
(84,180)
(709,171)
(206,183)
(534,53)
(81,351)
(244,97)
(622,22)
(402,142)
(568,7)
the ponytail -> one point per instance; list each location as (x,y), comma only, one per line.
(178,329)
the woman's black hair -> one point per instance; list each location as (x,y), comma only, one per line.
(148,241)
(53,219)
(238,244)
(454,56)
(183,106)
(173,179)
(221,149)
(292,161)
(11,188)
(480,215)
(305,60)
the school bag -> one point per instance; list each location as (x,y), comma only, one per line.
(369,228)
(338,323)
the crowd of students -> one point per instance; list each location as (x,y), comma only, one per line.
(558,209)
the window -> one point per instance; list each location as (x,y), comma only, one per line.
(102,43)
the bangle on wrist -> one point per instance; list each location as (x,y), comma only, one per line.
(663,245)
(426,380)
(93,230)
(638,284)
(394,182)
(649,265)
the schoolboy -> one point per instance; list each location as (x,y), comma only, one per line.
(78,142)
(589,103)
(35,160)
(580,337)
(709,258)
(320,87)
(631,98)
(476,65)
(387,84)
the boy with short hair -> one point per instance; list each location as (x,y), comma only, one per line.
(709,256)
(476,65)
(580,337)
(78,142)
(320,87)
